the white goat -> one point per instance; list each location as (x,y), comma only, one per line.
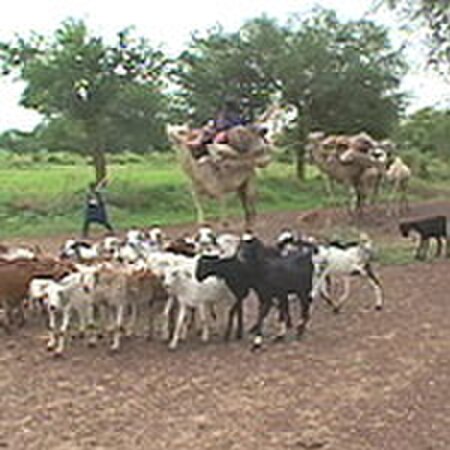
(354,259)
(181,283)
(79,250)
(65,297)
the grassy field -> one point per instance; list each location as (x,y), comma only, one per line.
(49,199)
(45,199)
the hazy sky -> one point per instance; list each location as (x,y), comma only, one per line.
(170,23)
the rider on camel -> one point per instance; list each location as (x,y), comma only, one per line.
(227,117)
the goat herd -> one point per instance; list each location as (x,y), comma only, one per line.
(109,284)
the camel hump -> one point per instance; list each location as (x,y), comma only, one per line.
(243,139)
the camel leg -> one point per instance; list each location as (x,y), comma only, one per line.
(330,190)
(393,202)
(403,202)
(356,202)
(198,205)
(246,193)
(223,210)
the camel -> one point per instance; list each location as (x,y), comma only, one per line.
(231,168)
(275,120)
(348,161)
(398,175)
(227,168)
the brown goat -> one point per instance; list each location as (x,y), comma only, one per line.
(15,278)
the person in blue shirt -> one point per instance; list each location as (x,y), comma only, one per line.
(95,210)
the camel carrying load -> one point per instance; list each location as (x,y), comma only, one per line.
(360,163)
(220,168)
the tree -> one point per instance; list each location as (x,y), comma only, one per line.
(426,131)
(435,16)
(342,77)
(215,66)
(110,96)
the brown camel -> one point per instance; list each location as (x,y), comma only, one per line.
(350,162)
(226,168)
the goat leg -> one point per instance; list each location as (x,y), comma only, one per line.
(203,322)
(51,344)
(263,311)
(62,334)
(438,247)
(118,328)
(284,318)
(420,249)
(6,322)
(305,306)
(375,282)
(178,327)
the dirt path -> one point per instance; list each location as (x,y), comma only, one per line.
(269,224)
(361,380)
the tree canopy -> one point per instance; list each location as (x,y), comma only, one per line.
(434,15)
(109,96)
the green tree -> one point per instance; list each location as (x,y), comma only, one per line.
(342,77)
(109,96)
(426,131)
(434,15)
(217,65)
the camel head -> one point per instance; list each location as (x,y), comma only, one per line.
(178,134)
(276,119)
(313,143)
(374,158)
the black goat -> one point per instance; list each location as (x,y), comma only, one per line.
(235,275)
(427,228)
(276,277)
(271,276)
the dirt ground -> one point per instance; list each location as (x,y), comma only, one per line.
(358,380)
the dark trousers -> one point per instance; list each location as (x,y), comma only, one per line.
(87,223)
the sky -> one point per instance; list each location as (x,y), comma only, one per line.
(169,23)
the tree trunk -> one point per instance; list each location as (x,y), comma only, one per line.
(300,161)
(301,132)
(99,164)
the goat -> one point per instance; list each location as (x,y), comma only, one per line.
(15,278)
(181,283)
(120,289)
(64,297)
(276,277)
(234,273)
(182,246)
(347,260)
(79,251)
(427,228)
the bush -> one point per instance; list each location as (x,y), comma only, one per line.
(418,161)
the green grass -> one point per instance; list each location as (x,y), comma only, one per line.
(46,199)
